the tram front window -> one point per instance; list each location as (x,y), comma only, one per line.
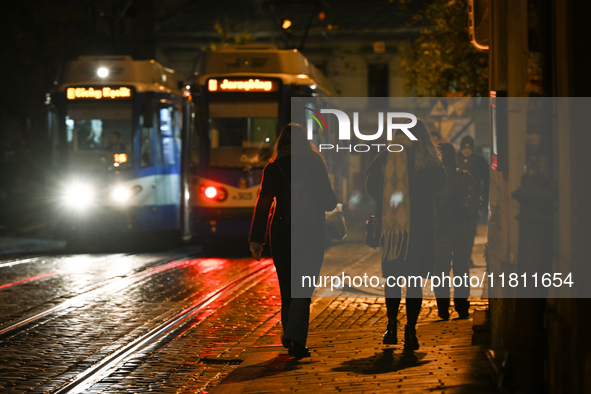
(242,134)
(101,127)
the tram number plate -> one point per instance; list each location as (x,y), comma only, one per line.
(242,196)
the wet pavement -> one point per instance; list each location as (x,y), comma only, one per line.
(347,353)
(347,356)
(176,321)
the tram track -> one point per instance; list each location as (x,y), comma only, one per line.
(195,310)
(111,285)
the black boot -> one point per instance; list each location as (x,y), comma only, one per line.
(443,314)
(298,350)
(285,342)
(411,343)
(462,306)
(390,336)
(443,308)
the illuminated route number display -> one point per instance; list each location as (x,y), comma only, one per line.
(98,93)
(241,85)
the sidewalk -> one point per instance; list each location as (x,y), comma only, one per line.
(348,355)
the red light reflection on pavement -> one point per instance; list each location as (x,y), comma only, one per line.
(32,278)
(267,316)
(205,265)
(213,264)
(175,264)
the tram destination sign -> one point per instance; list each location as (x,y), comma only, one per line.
(241,85)
(98,93)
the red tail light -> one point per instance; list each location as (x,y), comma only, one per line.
(215,193)
(211,192)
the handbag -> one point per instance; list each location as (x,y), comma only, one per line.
(372,232)
(336,228)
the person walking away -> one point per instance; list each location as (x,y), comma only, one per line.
(477,166)
(455,214)
(314,196)
(404,185)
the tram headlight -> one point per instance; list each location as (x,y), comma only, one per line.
(121,194)
(78,195)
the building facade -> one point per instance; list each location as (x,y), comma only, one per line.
(539,214)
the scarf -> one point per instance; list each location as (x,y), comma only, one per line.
(395,235)
(396,204)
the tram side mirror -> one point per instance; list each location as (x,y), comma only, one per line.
(147,112)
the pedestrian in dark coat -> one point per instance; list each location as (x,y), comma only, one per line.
(454,234)
(478,167)
(404,185)
(297,229)
(475,164)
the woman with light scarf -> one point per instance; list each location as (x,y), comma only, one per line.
(404,185)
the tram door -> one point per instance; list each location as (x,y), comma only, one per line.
(167,179)
(147,170)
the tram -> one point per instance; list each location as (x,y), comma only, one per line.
(115,132)
(237,102)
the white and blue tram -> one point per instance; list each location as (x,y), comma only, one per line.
(238,100)
(115,131)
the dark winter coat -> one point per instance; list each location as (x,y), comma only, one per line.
(477,166)
(422,185)
(450,200)
(275,186)
(297,246)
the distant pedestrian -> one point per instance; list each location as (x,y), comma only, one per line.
(454,233)
(477,166)
(305,257)
(404,185)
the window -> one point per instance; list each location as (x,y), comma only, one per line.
(378,84)
(146,154)
(99,126)
(166,133)
(242,134)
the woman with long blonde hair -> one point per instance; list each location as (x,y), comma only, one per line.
(404,185)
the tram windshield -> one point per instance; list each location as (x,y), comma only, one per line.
(242,133)
(100,126)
